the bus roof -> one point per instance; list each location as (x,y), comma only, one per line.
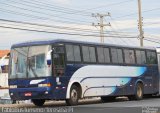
(52,41)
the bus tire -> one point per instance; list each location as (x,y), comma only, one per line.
(74,96)
(107,99)
(138,92)
(38,102)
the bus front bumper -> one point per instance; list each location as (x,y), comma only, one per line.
(30,93)
(47,93)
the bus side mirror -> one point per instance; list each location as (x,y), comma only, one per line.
(49,58)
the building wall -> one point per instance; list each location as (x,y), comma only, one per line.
(4,83)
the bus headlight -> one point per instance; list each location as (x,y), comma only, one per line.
(12,86)
(44,85)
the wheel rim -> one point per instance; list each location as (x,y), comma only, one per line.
(139,91)
(74,95)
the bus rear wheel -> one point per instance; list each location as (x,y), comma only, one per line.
(38,102)
(138,92)
(74,96)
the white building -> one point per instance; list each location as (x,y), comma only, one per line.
(4,61)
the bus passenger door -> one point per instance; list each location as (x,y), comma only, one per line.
(58,61)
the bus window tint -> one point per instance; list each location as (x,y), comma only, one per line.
(117,56)
(58,49)
(100,53)
(58,57)
(73,53)
(141,57)
(103,55)
(70,53)
(85,52)
(77,55)
(106,55)
(129,56)
(114,55)
(120,55)
(89,54)
(151,57)
(92,54)
(58,61)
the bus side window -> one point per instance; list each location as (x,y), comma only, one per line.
(58,61)
(103,55)
(89,54)
(141,57)
(73,53)
(117,56)
(85,51)
(106,55)
(100,52)
(129,56)
(92,54)
(151,57)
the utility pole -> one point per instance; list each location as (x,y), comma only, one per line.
(141,34)
(101,24)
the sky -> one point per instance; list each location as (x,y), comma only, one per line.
(61,18)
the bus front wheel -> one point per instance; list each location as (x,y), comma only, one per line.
(74,96)
(38,102)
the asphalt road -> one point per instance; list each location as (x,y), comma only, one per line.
(121,105)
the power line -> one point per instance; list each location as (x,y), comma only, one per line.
(152,35)
(152,23)
(38,17)
(121,39)
(119,30)
(44,31)
(71,11)
(131,14)
(43,25)
(51,26)
(46,28)
(153,38)
(43,13)
(49,8)
(109,5)
(116,25)
(58,7)
(152,41)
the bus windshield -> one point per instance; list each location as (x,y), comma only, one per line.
(29,62)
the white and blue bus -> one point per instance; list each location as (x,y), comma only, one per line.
(71,70)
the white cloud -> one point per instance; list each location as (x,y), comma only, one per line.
(133,24)
(62,1)
(125,24)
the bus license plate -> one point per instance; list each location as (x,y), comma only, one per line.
(28,94)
